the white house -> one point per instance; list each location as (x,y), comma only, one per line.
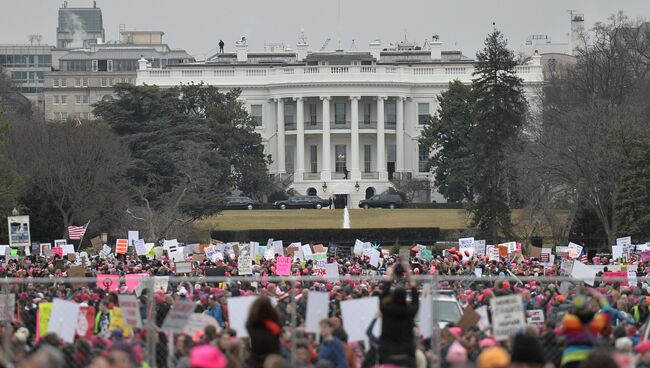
(341,123)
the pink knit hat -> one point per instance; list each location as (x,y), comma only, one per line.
(206,356)
(456,354)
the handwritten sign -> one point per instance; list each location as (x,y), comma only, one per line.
(121,246)
(283,266)
(130,310)
(245,265)
(535,316)
(507,316)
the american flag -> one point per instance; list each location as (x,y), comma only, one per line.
(77,232)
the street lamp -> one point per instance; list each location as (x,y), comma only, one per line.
(356,186)
(324,187)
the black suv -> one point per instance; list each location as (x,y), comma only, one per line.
(302,202)
(240,203)
(382,201)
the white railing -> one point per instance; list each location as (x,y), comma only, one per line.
(224,72)
(455,71)
(368,69)
(311,70)
(255,72)
(192,73)
(339,69)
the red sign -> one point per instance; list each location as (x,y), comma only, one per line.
(545,257)
(57,251)
(86,322)
(612,277)
(121,245)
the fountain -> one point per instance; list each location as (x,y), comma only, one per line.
(346,218)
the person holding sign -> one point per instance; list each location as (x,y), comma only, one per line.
(397,340)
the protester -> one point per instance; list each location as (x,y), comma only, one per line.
(264,331)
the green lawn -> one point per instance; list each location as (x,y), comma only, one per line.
(328,219)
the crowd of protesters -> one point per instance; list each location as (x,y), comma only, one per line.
(585,326)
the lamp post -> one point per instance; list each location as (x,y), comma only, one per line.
(356,186)
(324,187)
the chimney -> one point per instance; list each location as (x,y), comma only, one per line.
(142,63)
(436,48)
(242,50)
(577,30)
(375,49)
(302,49)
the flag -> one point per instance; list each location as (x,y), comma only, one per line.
(77,232)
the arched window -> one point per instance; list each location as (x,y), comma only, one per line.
(370,191)
(311,191)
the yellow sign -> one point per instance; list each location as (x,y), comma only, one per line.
(44,313)
(117,323)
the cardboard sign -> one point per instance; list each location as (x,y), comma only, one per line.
(508,316)
(535,316)
(503,250)
(96,243)
(469,318)
(183,267)
(198,258)
(283,266)
(245,265)
(130,310)
(121,246)
(77,271)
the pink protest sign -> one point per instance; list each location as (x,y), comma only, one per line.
(108,282)
(283,266)
(611,277)
(57,251)
(645,256)
(133,280)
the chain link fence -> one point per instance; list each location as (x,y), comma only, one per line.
(158,320)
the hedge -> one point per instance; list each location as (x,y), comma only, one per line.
(441,206)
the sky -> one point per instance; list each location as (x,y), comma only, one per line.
(198,25)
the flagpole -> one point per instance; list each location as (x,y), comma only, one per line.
(82,235)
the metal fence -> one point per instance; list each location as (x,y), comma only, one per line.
(164,347)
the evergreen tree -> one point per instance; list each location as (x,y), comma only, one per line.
(633,200)
(499,112)
(448,135)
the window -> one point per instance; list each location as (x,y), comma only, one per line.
(110,82)
(64,115)
(64,100)
(289,156)
(109,65)
(64,83)
(77,115)
(423,113)
(55,100)
(56,115)
(391,113)
(77,82)
(257,112)
(103,82)
(95,66)
(102,65)
(391,153)
(85,99)
(78,99)
(367,113)
(289,115)
(340,159)
(367,157)
(55,83)
(85,82)
(313,154)
(312,114)
(339,113)
(423,159)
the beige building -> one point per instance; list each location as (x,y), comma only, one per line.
(83,77)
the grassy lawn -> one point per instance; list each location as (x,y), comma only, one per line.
(328,219)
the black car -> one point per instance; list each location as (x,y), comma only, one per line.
(302,202)
(382,201)
(241,203)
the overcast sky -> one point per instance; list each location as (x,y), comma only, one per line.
(197,25)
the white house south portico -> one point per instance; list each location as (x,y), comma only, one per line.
(338,123)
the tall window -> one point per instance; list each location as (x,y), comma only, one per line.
(64,83)
(391,113)
(367,113)
(55,100)
(289,115)
(257,113)
(104,82)
(85,82)
(423,158)
(78,99)
(289,155)
(313,154)
(339,113)
(77,82)
(85,99)
(367,157)
(312,114)
(423,113)
(64,100)
(340,161)
(55,83)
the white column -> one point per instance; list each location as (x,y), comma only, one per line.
(280,120)
(300,138)
(325,150)
(399,135)
(354,140)
(381,142)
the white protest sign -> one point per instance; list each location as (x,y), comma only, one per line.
(130,310)
(575,250)
(183,267)
(241,304)
(535,316)
(617,251)
(170,246)
(245,265)
(332,272)
(631,277)
(59,243)
(177,317)
(507,316)
(625,241)
(63,319)
(512,246)
(140,247)
(466,244)
(198,322)
(317,309)
(357,315)
(277,247)
(478,272)
(306,250)
(425,312)
(479,248)
(160,283)
(68,249)
(582,272)
(484,322)
(133,236)
(7,307)
(493,253)
(358,247)
(105,252)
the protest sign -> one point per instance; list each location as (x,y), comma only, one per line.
(625,241)
(245,265)
(133,236)
(319,248)
(96,243)
(320,260)
(469,318)
(121,246)
(178,315)
(117,322)
(582,272)
(357,315)
(46,249)
(140,247)
(332,272)
(7,307)
(57,251)
(535,316)
(237,321)
(85,322)
(494,253)
(108,282)
(183,267)
(77,271)
(283,266)
(631,277)
(105,252)
(507,316)
(317,309)
(616,276)
(277,247)
(466,244)
(575,250)
(306,250)
(63,319)
(130,310)
(160,283)
(358,247)
(426,255)
(617,251)
(132,280)
(43,318)
(198,322)
(478,272)
(484,322)
(479,248)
